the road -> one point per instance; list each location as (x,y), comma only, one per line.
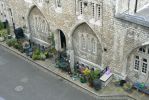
(21,80)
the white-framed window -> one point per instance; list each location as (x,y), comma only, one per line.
(58,3)
(83,42)
(142,49)
(136,63)
(144,65)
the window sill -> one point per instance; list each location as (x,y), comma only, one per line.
(80,17)
(40,4)
(58,9)
(98,22)
(95,22)
(143,73)
(136,70)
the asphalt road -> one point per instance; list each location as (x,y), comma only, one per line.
(21,80)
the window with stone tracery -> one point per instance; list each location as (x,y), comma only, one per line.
(83,42)
(40,24)
(93,45)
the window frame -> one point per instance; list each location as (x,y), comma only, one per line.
(144,68)
(138,61)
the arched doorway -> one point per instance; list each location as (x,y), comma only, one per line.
(63,40)
(86,46)
(38,27)
(60,40)
(138,64)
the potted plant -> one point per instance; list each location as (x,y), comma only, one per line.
(42,56)
(36,54)
(83,79)
(128,87)
(97,84)
(91,78)
(3,34)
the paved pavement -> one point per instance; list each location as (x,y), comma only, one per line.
(111,91)
(20,80)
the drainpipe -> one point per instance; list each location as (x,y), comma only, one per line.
(135,10)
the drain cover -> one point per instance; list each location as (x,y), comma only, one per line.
(1,98)
(19,88)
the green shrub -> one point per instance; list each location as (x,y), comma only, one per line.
(35,57)
(127,86)
(37,51)
(53,50)
(3,33)
(83,79)
(42,56)
(1,25)
(11,42)
(96,73)
(18,46)
(46,53)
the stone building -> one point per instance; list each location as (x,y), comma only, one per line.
(96,33)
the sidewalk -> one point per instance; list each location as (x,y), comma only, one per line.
(106,91)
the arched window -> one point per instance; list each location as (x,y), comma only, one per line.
(141,59)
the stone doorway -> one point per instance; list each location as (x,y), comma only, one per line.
(62,40)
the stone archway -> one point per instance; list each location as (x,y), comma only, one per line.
(38,26)
(86,46)
(138,64)
(60,39)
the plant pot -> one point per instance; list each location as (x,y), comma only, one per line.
(90,84)
(97,84)
(83,79)
(2,39)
